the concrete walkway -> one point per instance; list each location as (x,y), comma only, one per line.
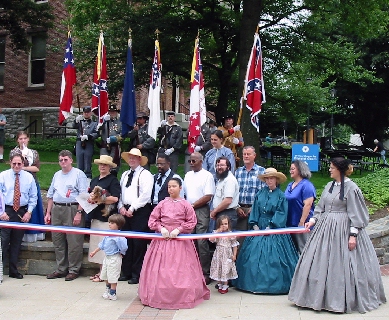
(35,297)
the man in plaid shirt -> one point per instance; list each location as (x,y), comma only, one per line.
(249,185)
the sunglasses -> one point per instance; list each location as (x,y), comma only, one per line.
(192,161)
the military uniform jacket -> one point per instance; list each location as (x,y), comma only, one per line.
(86,127)
(170,136)
(111,128)
(229,137)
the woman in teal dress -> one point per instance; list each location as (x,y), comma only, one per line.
(266,264)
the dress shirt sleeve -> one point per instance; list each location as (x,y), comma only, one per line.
(82,182)
(33,195)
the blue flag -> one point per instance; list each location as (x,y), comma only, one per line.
(128,109)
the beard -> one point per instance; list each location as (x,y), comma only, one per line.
(222,175)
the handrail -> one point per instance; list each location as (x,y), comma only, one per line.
(32,123)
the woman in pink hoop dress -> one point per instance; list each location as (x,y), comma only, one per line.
(171,276)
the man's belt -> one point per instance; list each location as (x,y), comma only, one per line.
(21,207)
(66,204)
(245,205)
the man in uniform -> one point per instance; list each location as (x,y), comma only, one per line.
(134,204)
(140,139)
(86,135)
(170,137)
(111,129)
(233,138)
(203,144)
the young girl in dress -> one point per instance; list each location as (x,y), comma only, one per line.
(171,276)
(223,261)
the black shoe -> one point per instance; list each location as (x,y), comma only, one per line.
(16,275)
(123,278)
(133,281)
(207,279)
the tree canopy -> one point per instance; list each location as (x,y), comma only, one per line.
(17,16)
(336,44)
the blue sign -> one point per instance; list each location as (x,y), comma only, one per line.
(309,153)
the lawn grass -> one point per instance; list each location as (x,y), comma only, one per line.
(49,165)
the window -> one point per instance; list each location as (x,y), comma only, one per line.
(37,61)
(2,61)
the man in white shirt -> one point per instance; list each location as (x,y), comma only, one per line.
(134,204)
(199,187)
(226,196)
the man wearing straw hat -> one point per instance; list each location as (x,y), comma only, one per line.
(134,204)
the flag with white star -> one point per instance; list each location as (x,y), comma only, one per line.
(198,111)
(254,85)
(155,93)
(100,87)
(68,81)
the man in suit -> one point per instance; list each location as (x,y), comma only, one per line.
(161,180)
(20,197)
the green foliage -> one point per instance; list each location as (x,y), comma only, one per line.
(15,15)
(375,188)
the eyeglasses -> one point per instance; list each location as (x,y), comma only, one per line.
(63,160)
(192,161)
(17,164)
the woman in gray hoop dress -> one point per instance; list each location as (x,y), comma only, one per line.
(338,269)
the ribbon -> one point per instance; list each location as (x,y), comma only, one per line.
(145,235)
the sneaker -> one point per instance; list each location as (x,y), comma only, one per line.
(112,296)
(106,293)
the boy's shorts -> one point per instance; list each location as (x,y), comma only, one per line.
(111,268)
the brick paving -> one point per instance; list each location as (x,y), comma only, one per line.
(137,311)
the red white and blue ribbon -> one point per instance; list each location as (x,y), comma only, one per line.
(145,235)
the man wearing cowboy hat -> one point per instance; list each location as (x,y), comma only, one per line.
(110,131)
(170,137)
(134,204)
(86,134)
(140,138)
(233,138)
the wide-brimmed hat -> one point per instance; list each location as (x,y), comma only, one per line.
(272,172)
(228,116)
(142,115)
(104,159)
(113,107)
(134,152)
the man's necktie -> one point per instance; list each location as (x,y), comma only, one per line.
(159,180)
(16,202)
(130,176)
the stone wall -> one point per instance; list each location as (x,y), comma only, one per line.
(378,232)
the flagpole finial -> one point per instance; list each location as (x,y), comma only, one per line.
(129,33)
(157,32)
(257,30)
(198,33)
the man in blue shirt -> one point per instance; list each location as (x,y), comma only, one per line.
(20,196)
(249,185)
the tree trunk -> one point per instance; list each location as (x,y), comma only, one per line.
(251,14)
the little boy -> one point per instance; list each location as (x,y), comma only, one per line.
(114,247)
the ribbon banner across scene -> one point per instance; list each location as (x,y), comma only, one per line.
(145,235)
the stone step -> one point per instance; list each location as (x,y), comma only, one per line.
(38,258)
